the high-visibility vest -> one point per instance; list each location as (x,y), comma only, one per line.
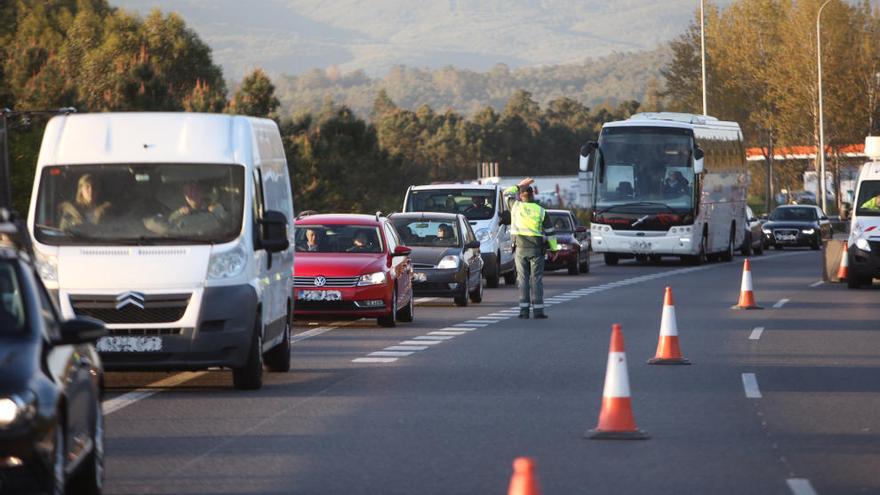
(872,204)
(527,219)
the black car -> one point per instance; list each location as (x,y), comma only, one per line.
(753,241)
(573,241)
(51,423)
(797,225)
(445,255)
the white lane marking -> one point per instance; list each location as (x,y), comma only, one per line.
(756,333)
(405,348)
(440,332)
(310,333)
(458,329)
(817,284)
(421,342)
(780,303)
(422,300)
(390,353)
(493,318)
(374,360)
(800,486)
(480,322)
(433,337)
(468,325)
(110,406)
(750,384)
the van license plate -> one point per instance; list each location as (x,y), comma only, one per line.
(129,344)
(320,295)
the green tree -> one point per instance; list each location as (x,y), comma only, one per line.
(255,97)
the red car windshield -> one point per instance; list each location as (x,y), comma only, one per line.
(338,239)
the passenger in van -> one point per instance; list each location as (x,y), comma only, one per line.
(86,206)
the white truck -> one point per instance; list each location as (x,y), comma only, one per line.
(864,232)
(172,228)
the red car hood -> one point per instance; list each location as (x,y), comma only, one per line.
(337,264)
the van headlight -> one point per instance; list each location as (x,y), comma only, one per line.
(227,264)
(448,262)
(371,279)
(863,244)
(483,235)
(47,266)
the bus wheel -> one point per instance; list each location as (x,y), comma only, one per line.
(727,255)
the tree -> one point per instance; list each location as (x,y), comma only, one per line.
(255,96)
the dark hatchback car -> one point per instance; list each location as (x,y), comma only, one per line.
(797,225)
(51,423)
(574,244)
(445,255)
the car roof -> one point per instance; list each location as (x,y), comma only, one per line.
(339,219)
(426,215)
(428,187)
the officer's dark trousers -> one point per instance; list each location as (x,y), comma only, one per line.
(530,280)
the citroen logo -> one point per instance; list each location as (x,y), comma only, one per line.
(320,281)
(134,298)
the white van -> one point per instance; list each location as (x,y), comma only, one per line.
(486,211)
(864,231)
(172,228)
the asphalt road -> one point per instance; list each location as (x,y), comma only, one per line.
(450,400)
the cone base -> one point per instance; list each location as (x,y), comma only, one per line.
(746,307)
(616,435)
(657,360)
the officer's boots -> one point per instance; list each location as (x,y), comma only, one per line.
(524,313)
(539,314)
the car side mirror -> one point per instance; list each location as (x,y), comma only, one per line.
(401,251)
(472,245)
(81,330)
(505,217)
(273,231)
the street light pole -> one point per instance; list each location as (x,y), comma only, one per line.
(821,151)
(703,53)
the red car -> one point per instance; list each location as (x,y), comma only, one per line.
(574,244)
(351,266)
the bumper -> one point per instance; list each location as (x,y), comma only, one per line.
(563,260)
(221,337)
(352,305)
(438,283)
(799,240)
(864,263)
(667,244)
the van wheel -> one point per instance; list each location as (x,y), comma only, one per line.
(390,320)
(407,313)
(90,479)
(278,358)
(492,280)
(250,376)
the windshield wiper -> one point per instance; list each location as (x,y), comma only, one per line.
(637,203)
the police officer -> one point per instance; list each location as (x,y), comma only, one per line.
(532,232)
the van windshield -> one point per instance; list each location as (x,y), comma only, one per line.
(475,204)
(140,204)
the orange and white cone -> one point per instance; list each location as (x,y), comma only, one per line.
(843,271)
(616,420)
(747,293)
(524,481)
(668,350)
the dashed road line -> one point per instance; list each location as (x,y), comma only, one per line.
(446,332)
(374,360)
(800,486)
(405,348)
(458,329)
(756,333)
(750,384)
(817,284)
(420,342)
(391,353)
(780,303)
(110,406)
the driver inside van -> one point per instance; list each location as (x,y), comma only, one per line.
(198,213)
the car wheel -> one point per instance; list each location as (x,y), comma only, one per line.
(574,268)
(611,259)
(58,481)
(278,358)
(816,244)
(747,245)
(585,265)
(407,313)
(90,479)
(492,281)
(390,320)
(250,376)
(477,294)
(461,299)
(855,281)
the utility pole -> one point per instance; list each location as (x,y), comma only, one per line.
(703,53)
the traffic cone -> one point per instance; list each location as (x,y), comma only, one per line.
(616,420)
(523,481)
(747,294)
(668,351)
(843,271)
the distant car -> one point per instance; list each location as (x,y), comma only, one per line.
(796,225)
(445,254)
(753,242)
(352,266)
(574,244)
(51,422)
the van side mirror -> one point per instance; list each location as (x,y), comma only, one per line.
(505,217)
(81,330)
(273,231)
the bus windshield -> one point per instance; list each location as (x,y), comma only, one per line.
(645,167)
(475,204)
(139,204)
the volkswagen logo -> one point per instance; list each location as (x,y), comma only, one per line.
(133,298)
(320,281)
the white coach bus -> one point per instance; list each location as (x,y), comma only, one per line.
(667,184)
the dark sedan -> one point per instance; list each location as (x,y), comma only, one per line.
(797,225)
(574,244)
(445,255)
(51,423)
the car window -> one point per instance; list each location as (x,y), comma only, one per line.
(561,222)
(475,204)
(337,239)
(804,214)
(421,232)
(391,237)
(47,310)
(468,232)
(12,314)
